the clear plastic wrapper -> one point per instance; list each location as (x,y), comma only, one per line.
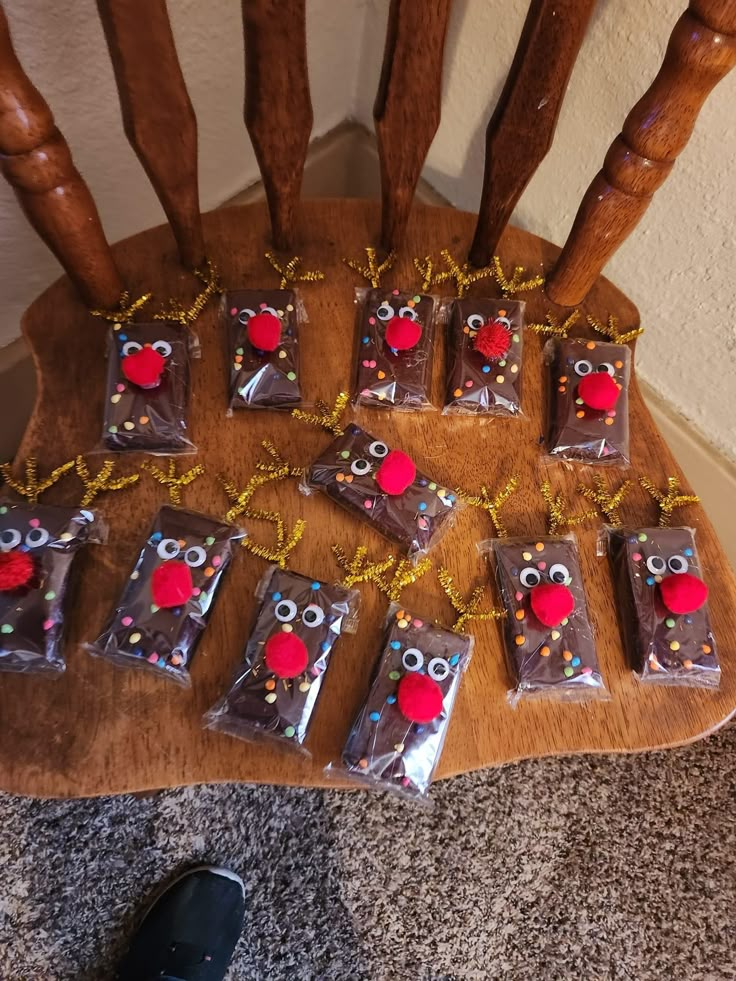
(384,489)
(548,636)
(38,544)
(663,609)
(588,401)
(395,339)
(276,688)
(396,740)
(147,389)
(169,595)
(262,330)
(484,357)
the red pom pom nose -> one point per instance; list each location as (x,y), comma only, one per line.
(683,593)
(419,698)
(286,655)
(551,603)
(403,333)
(16,570)
(599,391)
(264,331)
(493,341)
(396,473)
(171,584)
(144,368)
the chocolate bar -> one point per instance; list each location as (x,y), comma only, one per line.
(395,350)
(663,602)
(548,636)
(147,393)
(396,740)
(169,595)
(276,688)
(38,544)
(383,488)
(485,341)
(263,348)
(589,411)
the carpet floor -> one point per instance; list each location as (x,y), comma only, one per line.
(587,868)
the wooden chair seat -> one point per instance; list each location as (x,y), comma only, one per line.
(102,730)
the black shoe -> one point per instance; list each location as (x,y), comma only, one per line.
(190,931)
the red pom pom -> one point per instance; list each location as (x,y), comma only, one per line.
(599,391)
(144,368)
(403,333)
(286,655)
(396,473)
(551,603)
(683,593)
(419,697)
(264,331)
(171,584)
(16,570)
(493,341)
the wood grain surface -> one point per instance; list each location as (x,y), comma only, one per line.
(100,729)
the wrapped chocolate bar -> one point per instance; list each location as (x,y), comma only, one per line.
(663,606)
(589,401)
(147,391)
(485,341)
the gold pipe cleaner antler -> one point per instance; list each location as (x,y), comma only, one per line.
(358,569)
(611,330)
(177,312)
(551,324)
(493,504)
(608,502)
(670,501)
(285,545)
(404,575)
(462,276)
(33,487)
(274,469)
(126,308)
(425,268)
(374,270)
(170,479)
(289,272)
(325,417)
(101,481)
(556,505)
(466,609)
(510,287)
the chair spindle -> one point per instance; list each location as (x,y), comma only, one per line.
(701,51)
(36,161)
(157,113)
(278,108)
(408,105)
(522,127)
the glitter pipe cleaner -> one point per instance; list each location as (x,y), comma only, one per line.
(325,417)
(557,518)
(404,574)
(374,270)
(32,488)
(101,482)
(170,480)
(466,609)
(670,501)
(611,330)
(608,502)
(493,504)
(462,276)
(127,308)
(510,287)
(552,326)
(289,272)
(358,569)
(187,315)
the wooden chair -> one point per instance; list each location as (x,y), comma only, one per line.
(102,730)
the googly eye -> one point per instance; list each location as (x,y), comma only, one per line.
(195,556)
(9,538)
(583,368)
(360,467)
(409,312)
(413,659)
(162,347)
(385,311)
(475,321)
(530,577)
(244,315)
(606,366)
(313,615)
(559,573)
(131,347)
(379,449)
(269,310)
(438,668)
(656,565)
(677,564)
(285,610)
(168,548)
(504,321)
(37,537)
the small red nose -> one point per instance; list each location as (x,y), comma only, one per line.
(144,368)
(286,655)
(419,697)
(683,593)
(171,584)
(492,340)
(264,331)
(396,473)
(403,333)
(551,603)
(16,570)
(599,391)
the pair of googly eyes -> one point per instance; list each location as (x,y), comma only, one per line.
(584,368)
(386,312)
(675,563)
(10,538)
(361,467)
(531,577)
(169,548)
(245,314)
(160,347)
(286,611)
(413,660)
(475,321)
